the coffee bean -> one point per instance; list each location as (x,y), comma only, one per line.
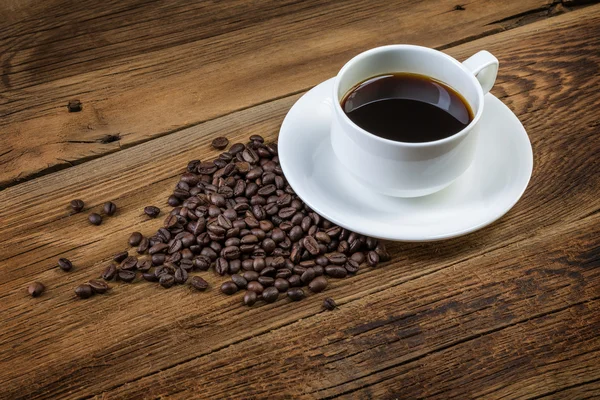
(319,270)
(135,238)
(337,258)
(158,248)
(77,205)
(166,280)
(144,266)
(65,264)
(329,304)
(343,247)
(283,273)
(152,211)
(295,233)
(126,276)
(270,294)
(221,266)
(84,291)
(250,298)
(109,208)
(269,245)
(181,276)
(199,283)
(323,237)
(281,284)
(336,271)
(322,261)
(143,246)
(382,252)
(250,275)
(295,280)
(311,245)
(239,280)
(266,281)
(334,231)
(318,284)
(299,269)
(295,294)
(129,263)
(220,143)
(98,286)
(308,275)
(358,257)
(35,289)
(229,288)
(150,277)
(158,259)
(109,273)
(234,266)
(95,219)
(255,287)
(352,266)
(372,258)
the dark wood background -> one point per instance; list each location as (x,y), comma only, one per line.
(511,312)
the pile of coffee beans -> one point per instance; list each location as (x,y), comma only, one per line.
(238,215)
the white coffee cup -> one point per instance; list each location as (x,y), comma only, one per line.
(410,169)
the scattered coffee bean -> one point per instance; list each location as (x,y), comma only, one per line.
(84,291)
(74,106)
(199,283)
(152,211)
(98,286)
(229,287)
(329,304)
(129,263)
(109,273)
(109,208)
(126,276)
(77,205)
(95,219)
(65,264)
(35,289)
(220,143)
(135,239)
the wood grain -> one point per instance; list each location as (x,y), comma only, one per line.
(147,68)
(510,311)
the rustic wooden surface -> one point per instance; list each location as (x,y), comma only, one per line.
(512,311)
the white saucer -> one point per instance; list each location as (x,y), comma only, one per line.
(490,187)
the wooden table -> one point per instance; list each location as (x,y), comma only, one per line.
(511,312)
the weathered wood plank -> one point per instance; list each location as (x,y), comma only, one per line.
(488,326)
(145,68)
(83,348)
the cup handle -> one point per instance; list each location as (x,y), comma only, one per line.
(485,68)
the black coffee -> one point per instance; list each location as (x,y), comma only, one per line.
(407,108)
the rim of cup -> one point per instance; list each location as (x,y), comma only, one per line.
(368,53)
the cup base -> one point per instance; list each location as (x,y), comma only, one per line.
(399,192)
